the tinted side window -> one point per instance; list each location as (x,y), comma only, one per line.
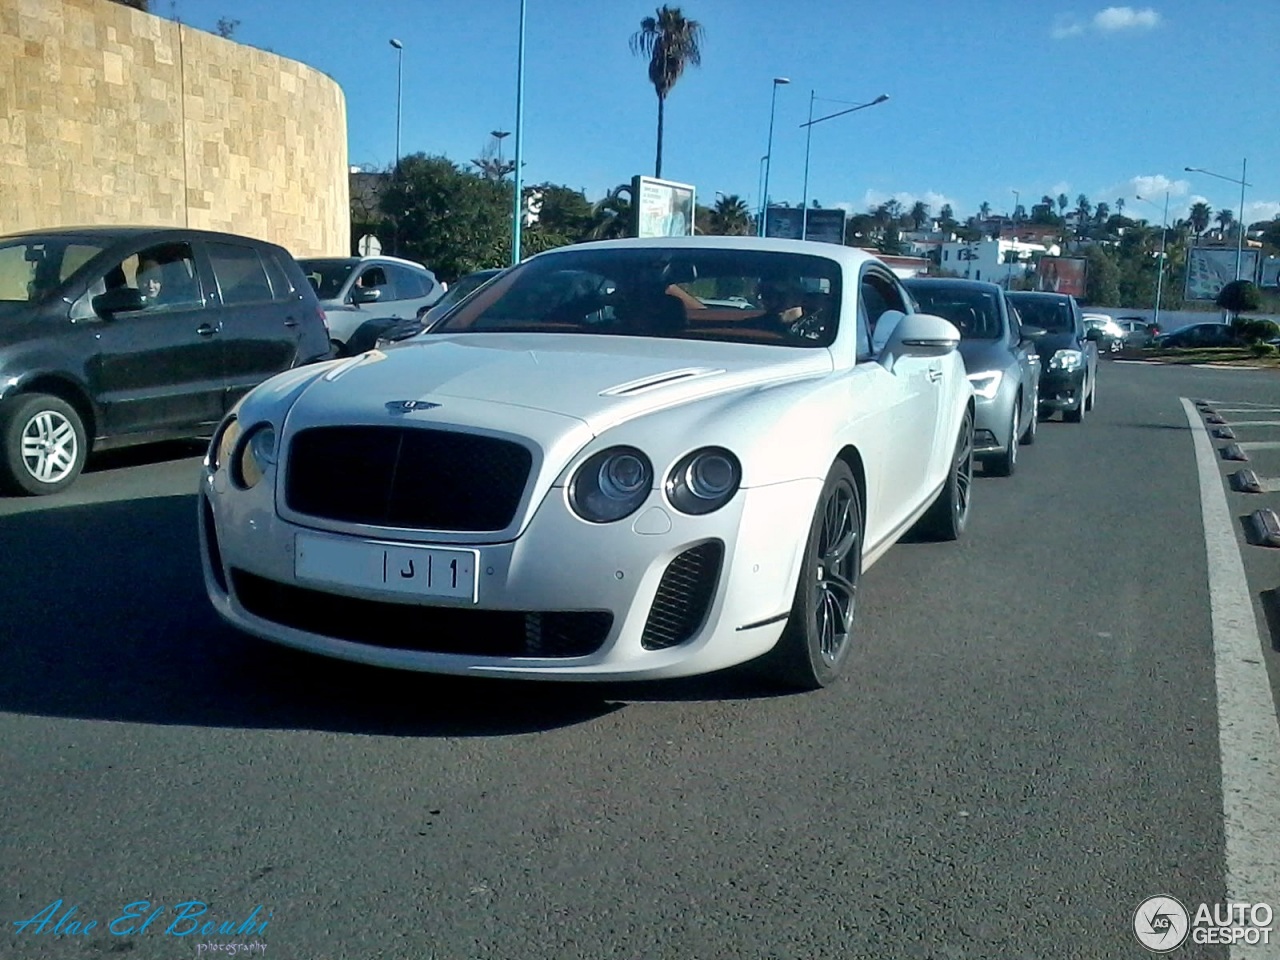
(409,283)
(376,278)
(281,286)
(240,274)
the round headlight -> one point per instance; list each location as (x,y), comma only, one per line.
(704,481)
(224,443)
(257,454)
(611,485)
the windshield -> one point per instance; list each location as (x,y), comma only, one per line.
(975,313)
(1053,314)
(662,292)
(327,276)
(465,285)
(31,269)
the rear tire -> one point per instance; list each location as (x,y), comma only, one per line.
(816,644)
(1076,415)
(42,445)
(1007,463)
(1033,421)
(1093,393)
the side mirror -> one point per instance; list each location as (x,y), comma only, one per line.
(1033,333)
(1093,333)
(365,294)
(119,300)
(919,335)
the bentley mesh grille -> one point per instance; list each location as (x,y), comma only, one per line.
(411,477)
(683,597)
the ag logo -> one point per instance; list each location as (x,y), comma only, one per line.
(1161,924)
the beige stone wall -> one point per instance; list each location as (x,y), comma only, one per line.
(113,116)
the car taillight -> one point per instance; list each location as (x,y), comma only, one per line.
(323,319)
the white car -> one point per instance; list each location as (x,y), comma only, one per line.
(587,474)
(363,296)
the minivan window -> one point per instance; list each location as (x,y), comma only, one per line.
(410,284)
(281,285)
(164,274)
(240,274)
(31,269)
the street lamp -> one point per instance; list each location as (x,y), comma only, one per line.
(808,138)
(1164,233)
(1016,204)
(760,194)
(517,186)
(1244,166)
(499,135)
(399,90)
(773,102)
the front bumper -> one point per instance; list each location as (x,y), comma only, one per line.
(991,425)
(579,601)
(1061,391)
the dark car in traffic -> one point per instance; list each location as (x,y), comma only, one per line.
(1000,355)
(1211,334)
(1068,352)
(427,316)
(113,336)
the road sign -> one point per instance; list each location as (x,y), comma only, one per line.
(369,246)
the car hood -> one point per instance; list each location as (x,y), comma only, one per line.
(599,381)
(980,355)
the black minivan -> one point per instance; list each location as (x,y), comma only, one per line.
(113,336)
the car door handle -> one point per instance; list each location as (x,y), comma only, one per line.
(206,330)
(290,321)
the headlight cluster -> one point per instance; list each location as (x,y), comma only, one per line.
(1067,361)
(986,384)
(613,483)
(247,455)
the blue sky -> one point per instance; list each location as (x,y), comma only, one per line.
(986,96)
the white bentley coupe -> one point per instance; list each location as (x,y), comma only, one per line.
(593,469)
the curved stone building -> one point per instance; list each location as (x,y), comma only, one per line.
(113,116)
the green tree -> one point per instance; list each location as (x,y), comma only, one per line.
(671,42)
(227,27)
(1225,218)
(731,217)
(1200,216)
(984,211)
(947,218)
(1239,296)
(1063,202)
(565,212)
(1102,278)
(919,214)
(449,219)
(611,215)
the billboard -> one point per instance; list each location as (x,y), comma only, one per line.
(1209,269)
(1061,275)
(663,208)
(1270,275)
(784,223)
(826,226)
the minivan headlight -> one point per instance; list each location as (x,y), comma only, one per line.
(611,485)
(1067,361)
(987,383)
(704,481)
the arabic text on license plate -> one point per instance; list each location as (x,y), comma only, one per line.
(421,571)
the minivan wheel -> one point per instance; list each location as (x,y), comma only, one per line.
(1006,463)
(42,444)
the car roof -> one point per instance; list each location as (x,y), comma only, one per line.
(944,283)
(1039,295)
(849,257)
(413,264)
(113,234)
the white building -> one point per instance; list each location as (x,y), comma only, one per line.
(987,259)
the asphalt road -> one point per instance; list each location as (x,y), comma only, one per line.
(1027,748)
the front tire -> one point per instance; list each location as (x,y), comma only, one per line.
(1076,415)
(1093,392)
(949,514)
(1005,464)
(42,445)
(1033,421)
(816,644)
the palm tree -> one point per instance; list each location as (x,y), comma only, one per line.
(1120,206)
(1200,216)
(1101,213)
(1225,218)
(611,216)
(919,214)
(1063,202)
(731,217)
(671,43)
(984,211)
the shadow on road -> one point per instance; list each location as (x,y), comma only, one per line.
(145,455)
(104,617)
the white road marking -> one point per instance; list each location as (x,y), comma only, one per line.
(1254,423)
(1260,444)
(1247,409)
(1248,734)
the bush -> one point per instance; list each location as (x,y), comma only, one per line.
(1263,350)
(1254,331)
(1239,296)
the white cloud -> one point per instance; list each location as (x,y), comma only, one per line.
(873,198)
(1256,210)
(1058,188)
(1156,184)
(1110,20)
(1125,18)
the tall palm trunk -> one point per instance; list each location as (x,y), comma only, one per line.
(657,166)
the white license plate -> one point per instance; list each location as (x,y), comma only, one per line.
(420,571)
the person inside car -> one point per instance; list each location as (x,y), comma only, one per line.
(150,282)
(789,310)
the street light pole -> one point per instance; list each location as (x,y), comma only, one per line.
(768,161)
(1164,233)
(499,135)
(1016,203)
(517,180)
(399,91)
(760,194)
(1244,167)
(808,137)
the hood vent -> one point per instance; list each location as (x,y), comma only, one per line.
(659,380)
